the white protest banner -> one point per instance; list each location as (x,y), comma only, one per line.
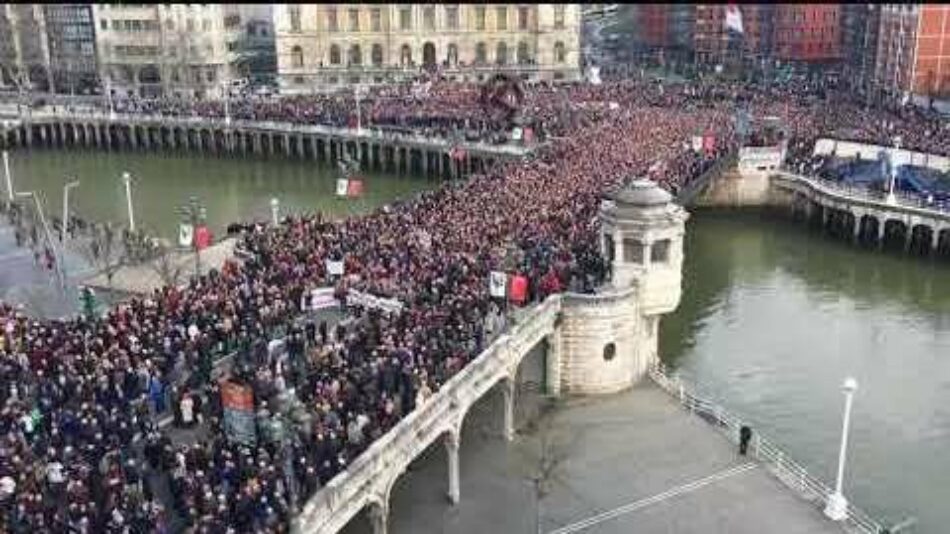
(342,185)
(335,268)
(516,133)
(186,234)
(497,284)
(698,143)
(613,106)
(322,298)
(366,300)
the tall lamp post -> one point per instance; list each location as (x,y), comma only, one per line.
(891,198)
(127,179)
(837,507)
(275,211)
(49,236)
(9,177)
(66,188)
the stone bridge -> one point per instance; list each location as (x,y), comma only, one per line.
(375,148)
(864,215)
(595,344)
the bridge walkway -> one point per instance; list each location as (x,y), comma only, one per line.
(633,462)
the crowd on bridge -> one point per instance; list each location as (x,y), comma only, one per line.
(81,447)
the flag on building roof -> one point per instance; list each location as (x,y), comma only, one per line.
(733,18)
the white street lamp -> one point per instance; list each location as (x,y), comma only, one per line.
(891,198)
(6,171)
(66,188)
(127,178)
(837,507)
(275,210)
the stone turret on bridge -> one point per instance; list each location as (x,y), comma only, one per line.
(596,344)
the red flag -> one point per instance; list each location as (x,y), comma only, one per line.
(518,292)
(354,188)
(528,135)
(709,144)
(202,237)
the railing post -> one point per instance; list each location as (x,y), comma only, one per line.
(801,479)
(682,392)
(778,461)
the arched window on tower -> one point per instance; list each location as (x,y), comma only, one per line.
(334,55)
(405,55)
(452,57)
(559,52)
(377,55)
(524,54)
(501,53)
(356,55)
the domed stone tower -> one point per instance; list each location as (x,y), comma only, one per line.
(609,340)
(642,236)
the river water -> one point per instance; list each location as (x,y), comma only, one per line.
(775,316)
(232,189)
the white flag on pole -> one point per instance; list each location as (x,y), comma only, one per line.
(341,186)
(497,284)
(335,268)
(733,18)
(186,234)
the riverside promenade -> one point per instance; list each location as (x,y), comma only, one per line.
(636,461)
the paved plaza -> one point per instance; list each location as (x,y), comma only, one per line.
(634,462)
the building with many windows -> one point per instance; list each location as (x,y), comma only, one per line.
(913,50)
(46,47)
(322,46)
(186,50)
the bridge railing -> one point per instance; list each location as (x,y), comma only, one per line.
(903,199)
(792,474)
(352,487)
(691,190)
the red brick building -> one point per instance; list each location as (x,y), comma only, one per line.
(808,32)
(711,41)
(913,53)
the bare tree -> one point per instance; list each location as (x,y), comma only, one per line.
(165,265)
(104,251)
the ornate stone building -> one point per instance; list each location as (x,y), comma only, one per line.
(189,50)
(321,46)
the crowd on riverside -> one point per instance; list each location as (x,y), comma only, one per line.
(81,449)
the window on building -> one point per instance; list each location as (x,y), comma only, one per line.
(331,19)
(660,251)
(480,53)
(405,55)
(376,19)
(356,55)
(190,25)
(293,13)
(298,80)
(334,55)
(523,16)
(354,20)
(104,24)
(170,25)
(452,17)
(501,18)
(206,25)
(405,18)
(524,55)
(452,57)
(377,55)
(632,251)
(296,57)
(501,53)
(479,18)
(428,17)
(559,52)
(559,16)
(211,75)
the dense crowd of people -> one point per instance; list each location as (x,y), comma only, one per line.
(80,447)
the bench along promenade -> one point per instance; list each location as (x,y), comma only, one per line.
(374,147)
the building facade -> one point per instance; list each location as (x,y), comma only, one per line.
(322,46)
(712,43)
(183,50)
(48,47)
(859,31)
(913,51)
(808,32)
